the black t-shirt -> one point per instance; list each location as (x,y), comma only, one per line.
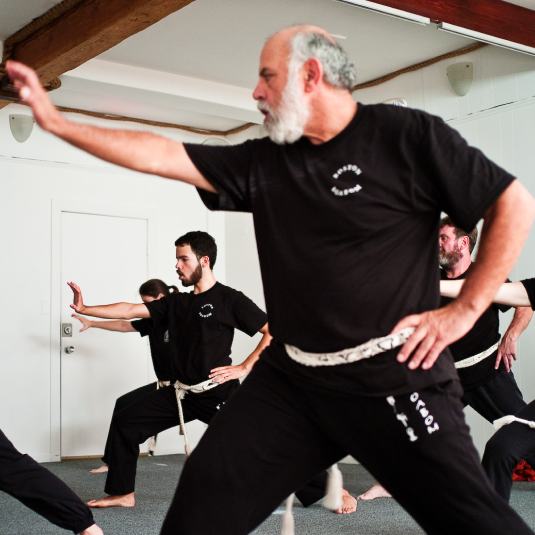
(347,231)
(529,285)
(159,347)
(484,334)
(201,330)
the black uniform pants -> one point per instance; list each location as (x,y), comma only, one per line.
(40,490)
(155,411)
(123,402)
(509,445)
(274,435)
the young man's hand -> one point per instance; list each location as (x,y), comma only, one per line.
(77,301)
(227,373)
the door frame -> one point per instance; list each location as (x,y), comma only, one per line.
(81,207)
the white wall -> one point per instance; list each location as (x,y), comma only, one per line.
(31,175)
(498,116)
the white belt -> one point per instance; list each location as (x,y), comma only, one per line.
(506,420)
(470,361)
(181,390)
(345,356)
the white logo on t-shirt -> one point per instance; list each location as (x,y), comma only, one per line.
(166,336)
(343,170)
(207,310)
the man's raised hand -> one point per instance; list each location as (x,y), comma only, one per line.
(77,301)
(435,330)
(31,91)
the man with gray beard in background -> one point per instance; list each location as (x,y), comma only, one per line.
(483,361)
(346,200)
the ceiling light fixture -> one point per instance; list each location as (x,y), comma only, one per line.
(405,15)
(486,38)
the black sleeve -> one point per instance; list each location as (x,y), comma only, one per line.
(143,326)
(468,183)
(159,309)
(228,170)
(246,316)
(529,285)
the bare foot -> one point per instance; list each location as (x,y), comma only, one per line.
(92,530)
(100,470)
(126,500)
(349,504)
(377,491)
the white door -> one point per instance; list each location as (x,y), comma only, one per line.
(107,257)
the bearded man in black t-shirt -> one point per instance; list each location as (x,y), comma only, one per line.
(346,200)
(483,362)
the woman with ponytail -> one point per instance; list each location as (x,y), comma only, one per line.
(151,290)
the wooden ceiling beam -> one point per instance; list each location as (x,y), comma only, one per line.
(88,29)
(492,17)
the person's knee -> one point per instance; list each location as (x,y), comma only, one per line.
(499,452)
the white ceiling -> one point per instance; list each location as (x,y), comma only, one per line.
(220,41)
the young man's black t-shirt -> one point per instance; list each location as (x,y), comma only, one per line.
(347,233)
(201,330)
(484,334)
(159,347)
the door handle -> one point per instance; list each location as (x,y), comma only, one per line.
(69,350)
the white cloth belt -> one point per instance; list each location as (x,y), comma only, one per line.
(471,361)
(505,420)
(345,356)
(181,390)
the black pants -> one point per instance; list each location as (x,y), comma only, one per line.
(40,490)
(509,445)
(273,435)
(154,412)
(123,402)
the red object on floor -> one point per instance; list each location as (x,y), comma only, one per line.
(523,472)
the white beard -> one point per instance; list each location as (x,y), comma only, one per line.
(287,124)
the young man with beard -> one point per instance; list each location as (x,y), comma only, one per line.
(482,360)
(346,200)
(201,329)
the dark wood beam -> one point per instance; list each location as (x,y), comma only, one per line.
(492,17)
(87,30)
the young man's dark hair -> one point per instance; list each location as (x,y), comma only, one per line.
(201,243)
(459,233)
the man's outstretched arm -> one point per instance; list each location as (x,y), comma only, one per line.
(140,151)
(507,223)
(123,311)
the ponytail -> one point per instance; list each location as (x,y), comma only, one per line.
(155,287)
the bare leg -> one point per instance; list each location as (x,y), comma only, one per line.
(101,470)
(349,504)
(92,530)
(126,500)
(377,491)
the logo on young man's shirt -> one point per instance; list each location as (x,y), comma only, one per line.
(206,310)
(345,177)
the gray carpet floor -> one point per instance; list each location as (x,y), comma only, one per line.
(156,482)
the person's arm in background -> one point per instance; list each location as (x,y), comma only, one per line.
(126,311)
(506,226)
(507,348)
(120,326)
(512,294)
(141,151)
(227,373)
